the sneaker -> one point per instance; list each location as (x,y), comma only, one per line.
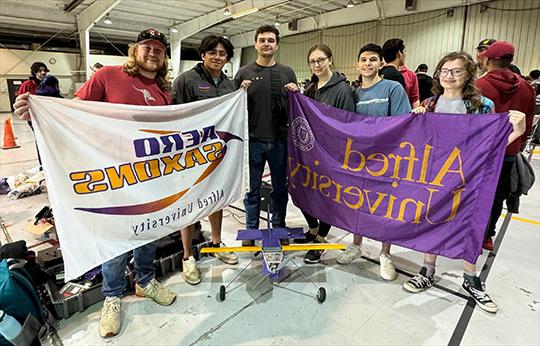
(226,257)
(387,269)
(313,256)
(488,244)
(309,238)
(248,242)
(351,253)
(109,323)
(157,292)
(420,282)
(190,272)
(477,293)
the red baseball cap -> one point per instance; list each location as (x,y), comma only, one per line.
(498,50)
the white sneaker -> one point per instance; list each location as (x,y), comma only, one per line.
(387,269)
(109,323)
(190,272)
(156,291)
(226,257)
(350,254)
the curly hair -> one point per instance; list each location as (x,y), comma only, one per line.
(131,67)
(469,91)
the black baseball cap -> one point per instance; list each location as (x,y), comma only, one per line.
(152,34)
(485,43)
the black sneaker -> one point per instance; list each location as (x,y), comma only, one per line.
(477,293)
(420,282)
(309,238)
(313,256)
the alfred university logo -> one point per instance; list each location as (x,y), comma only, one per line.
(303,137)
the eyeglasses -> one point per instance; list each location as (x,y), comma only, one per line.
(455,72)
(319,61)
(220,53)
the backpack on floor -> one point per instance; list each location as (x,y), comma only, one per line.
(18,296)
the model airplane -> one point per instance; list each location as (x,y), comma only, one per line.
(272,252)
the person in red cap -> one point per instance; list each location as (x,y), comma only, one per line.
(509,92)
(142,80)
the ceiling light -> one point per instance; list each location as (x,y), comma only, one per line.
(224,34)
(245,13)
(107,20)
(276,22)
(227,11)
(350,4)
(174,29)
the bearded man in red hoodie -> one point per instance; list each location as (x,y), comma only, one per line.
(509,92)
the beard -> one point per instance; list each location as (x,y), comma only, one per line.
(148,66)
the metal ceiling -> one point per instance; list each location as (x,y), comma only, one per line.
(42,19)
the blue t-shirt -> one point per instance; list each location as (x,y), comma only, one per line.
(385,98)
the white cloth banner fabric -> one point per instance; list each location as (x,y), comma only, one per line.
(121,176)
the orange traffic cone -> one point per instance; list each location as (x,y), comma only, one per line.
(9,137)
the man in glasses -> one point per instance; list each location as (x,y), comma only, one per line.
(268,123)
(142,80)
(509,92)
(205,80)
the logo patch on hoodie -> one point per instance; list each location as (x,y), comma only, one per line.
(204,86)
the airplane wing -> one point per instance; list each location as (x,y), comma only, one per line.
(307,247)
(231,249)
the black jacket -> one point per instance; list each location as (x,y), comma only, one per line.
(336,93)
(197,84)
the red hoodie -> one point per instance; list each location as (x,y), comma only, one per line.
(509,92)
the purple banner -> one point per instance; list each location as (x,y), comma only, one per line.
(424,182)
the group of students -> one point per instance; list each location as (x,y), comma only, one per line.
(267,82)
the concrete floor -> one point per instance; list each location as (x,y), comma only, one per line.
(360,308)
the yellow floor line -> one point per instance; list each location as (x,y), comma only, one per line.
(522,219)
(536,151)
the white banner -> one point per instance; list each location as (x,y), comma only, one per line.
(121,176)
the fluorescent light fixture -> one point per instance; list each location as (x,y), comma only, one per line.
(245,13)
(276,21)
(350,4)
(174,29)
(107,20)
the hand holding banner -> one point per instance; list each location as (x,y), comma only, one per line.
(121,176)
(423,182)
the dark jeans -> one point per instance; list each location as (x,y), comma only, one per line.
(275,152)
(324,228)
(114,271)
(502,193)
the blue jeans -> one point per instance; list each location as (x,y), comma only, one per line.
(114,271)
(275,152)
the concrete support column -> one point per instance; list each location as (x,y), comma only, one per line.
(235,61)
(84,39)
(176,50)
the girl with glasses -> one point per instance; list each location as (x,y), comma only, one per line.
(455,92)
(329,87)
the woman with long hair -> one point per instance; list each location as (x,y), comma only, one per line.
(455,92)
(329,87)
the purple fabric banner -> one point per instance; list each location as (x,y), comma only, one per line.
(424,182)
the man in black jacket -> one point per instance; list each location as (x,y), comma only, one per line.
(206,80)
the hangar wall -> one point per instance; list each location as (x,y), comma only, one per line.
(428,36)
